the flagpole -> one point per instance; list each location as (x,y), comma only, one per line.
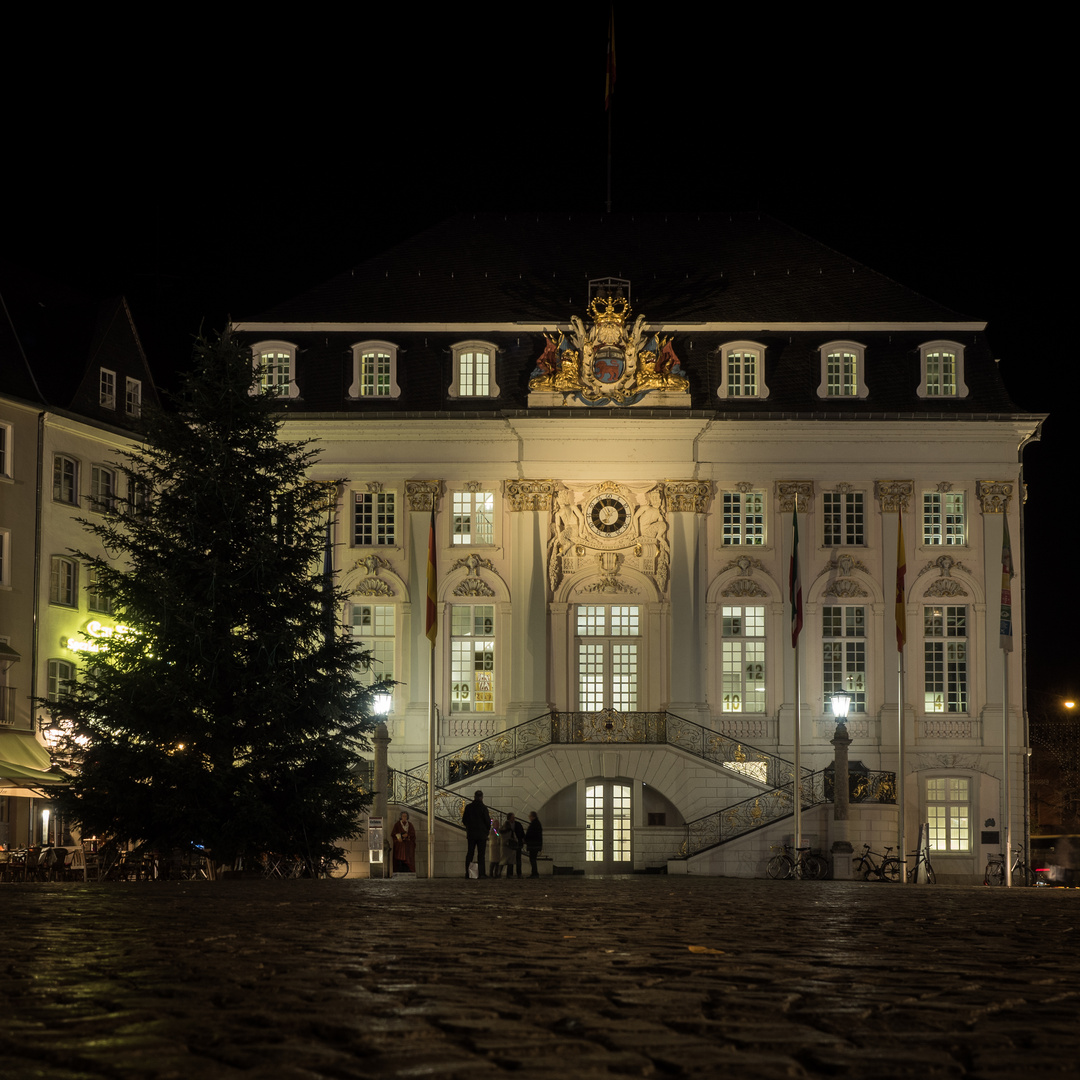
(901,640)
(795,596)
(1006,648)
(432,631)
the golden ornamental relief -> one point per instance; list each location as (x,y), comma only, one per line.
(608,362)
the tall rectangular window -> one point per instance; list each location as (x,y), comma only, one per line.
(843,643)
(375,374)
(472,658)
(609,657)
(64,581)
(374,519)
(744,518)
(60,672)
(96,600)
(945,675)
(474,517)
(474,374)
(743,660)
(65,480)
(842,374)
(5,557)
(842,513)
(373,625)
(102,489)
(5,451)
(275,372)
(943,517)
(742,373)
(948,810)
(107,389)
(941,374)
(133,397)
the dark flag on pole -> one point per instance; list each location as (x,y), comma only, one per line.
(1006,586)
(432,625)
(901,572)
(609,74)
(794,581)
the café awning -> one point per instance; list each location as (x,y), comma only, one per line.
(25,769)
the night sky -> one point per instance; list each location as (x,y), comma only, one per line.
(218,168)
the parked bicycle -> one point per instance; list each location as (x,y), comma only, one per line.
(888,869)
(1022,874)
(295,866)
(804,864)
(922,858)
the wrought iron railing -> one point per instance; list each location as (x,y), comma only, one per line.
(610,726)
(404,789)
(760,810)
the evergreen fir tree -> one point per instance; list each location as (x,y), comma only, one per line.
(229,712)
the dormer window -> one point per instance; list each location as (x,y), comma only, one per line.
(843,370)
(474,370)
(107,389)
(742,371)
(942,367)
(275,362)
(374,372)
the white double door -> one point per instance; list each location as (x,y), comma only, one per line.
(608,821)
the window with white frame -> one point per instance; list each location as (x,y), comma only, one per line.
(374,519)
(843,645)
(5,558)
(96,600)
(472,658)
(843,518)
(474,371)
(842,370)
(744,518)
(474,517)
(133,397)
(742,372)
(609,656)
(275,363)
(743,643)
(374,370)
(942,366)
(65,480)
(6,449)
(943,517)
(107,389)
(136,496)
(945,674)
(948,811)
(102,489)
(64,581)
(373,626)
(59,673)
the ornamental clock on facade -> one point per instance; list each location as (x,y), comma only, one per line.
(608,515)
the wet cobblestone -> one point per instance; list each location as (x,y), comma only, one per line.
(562,977)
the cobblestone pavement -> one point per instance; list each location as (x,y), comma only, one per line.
(561,977)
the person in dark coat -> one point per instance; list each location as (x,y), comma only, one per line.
(513,840)
(534,841)
(404,837)
(477,820)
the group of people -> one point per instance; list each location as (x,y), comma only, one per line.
(491,846)
(506,842)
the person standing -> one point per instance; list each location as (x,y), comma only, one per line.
(495,851)
(513,836)
(534,842)
(477,821)
(404,837)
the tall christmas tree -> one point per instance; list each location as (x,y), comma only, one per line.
(227,711)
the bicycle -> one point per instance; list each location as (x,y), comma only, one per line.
(294,866)
(1022,874)
(806,865)
(922,856)
(886,870)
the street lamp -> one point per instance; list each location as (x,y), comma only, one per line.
(841,848)
(840,703)
(382,704)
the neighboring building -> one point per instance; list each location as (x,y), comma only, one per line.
(73,379)
(612,418)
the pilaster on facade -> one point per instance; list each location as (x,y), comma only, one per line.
(994,495)
(894,495)
(523,495)
(423,495)
(792,493)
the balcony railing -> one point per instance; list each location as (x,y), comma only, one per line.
(7,706)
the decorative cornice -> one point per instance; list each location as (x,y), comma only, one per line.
(945,587)
(745,565)
(423,495)
(530,494)
(788,491)
(744,587)
(945,565)
(473,586)
(371,563)
(994,495)
(374,487)
(845,587)
(893,494)
(687,496)
(473,563)
(944,487)
(844,565)
(609,585)
(374,586)
(744,486)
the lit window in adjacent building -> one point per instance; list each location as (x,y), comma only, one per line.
(943,517)
(96,600)
(133,397)
(942,364)
(374,370)
(609,657)
(842,514)
(843,643)
(102,489)
(842,370)
(948,810)
(474,371)
(373,626)
(64,581)
(744,518)
(65,480)
(743,660)
(5,451)
(60,672)
(472,658)
(274,362)
(107,389)
(474,517)
(373,519)
(945,659)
